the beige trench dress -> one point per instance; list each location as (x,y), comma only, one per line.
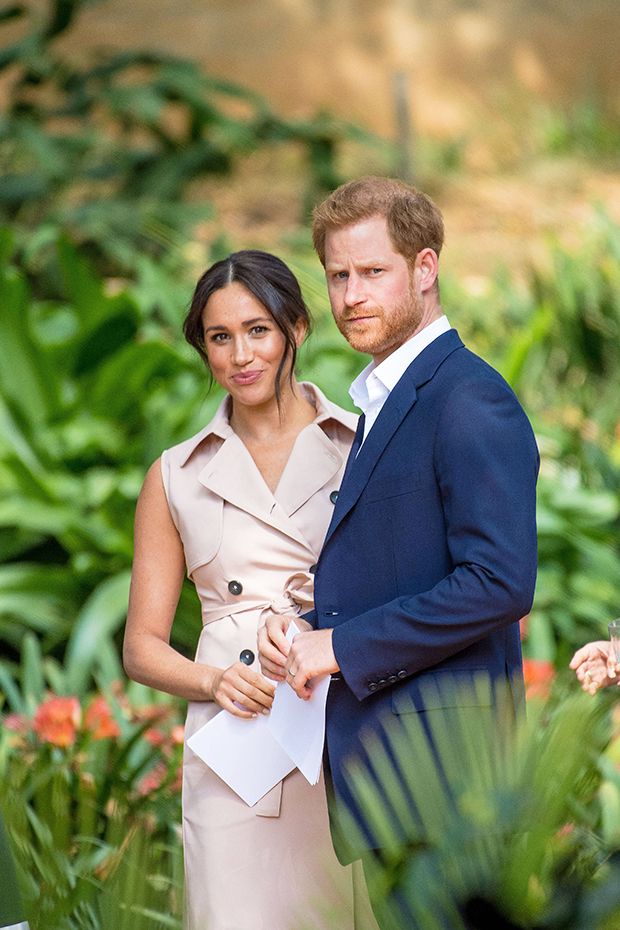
(249,553)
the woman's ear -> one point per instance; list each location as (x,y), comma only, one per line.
(301,328)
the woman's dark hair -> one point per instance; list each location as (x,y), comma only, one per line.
(268,279)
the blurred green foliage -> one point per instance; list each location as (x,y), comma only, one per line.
(496,824)
(111,148)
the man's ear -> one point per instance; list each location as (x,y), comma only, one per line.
(425,269)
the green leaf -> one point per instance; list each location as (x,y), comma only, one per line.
(100,617)
(33,685)
(26,377)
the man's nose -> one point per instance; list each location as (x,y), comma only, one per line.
(354,293)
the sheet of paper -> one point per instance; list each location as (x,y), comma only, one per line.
(253,755)
(243,752)
(299,726)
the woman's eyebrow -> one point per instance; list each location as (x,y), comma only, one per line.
(257,319)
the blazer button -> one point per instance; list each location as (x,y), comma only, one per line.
(246,656)
(235,587)
(312,569)
(333,497)
(330,613)
(402,673)
(393,679)
(372,685)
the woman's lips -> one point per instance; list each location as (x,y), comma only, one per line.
(246,377)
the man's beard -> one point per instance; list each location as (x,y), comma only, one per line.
(388,329)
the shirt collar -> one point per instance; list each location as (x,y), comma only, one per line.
(375,382)
(220,424)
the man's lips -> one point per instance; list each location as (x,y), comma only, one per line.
(358,319)
(246,377)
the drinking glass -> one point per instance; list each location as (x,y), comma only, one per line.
(614,635)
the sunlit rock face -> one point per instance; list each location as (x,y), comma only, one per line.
(459,56)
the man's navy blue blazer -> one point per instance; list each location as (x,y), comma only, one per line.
(430,558)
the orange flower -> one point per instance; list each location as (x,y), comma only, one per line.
(538,675)
(57,719)
(153,736)
(177,734)
(153,779)
(99,720)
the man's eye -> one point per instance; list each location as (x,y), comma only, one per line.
(376,270)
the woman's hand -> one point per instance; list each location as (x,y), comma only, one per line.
(595,666)
(241,685)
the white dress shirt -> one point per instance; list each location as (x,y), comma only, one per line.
(373,385)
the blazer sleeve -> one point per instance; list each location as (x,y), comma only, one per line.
(311,618)
(486,466)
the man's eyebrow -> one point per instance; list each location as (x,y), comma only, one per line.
(365,263)
(253,322)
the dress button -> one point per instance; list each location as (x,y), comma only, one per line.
(393,679)
(402,673)
(246,656)
(372,685)
(333,497)
(312,569)
(382,682)
(235,587)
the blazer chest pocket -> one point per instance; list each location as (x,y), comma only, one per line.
(384,488)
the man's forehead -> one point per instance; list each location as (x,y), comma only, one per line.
(366,239)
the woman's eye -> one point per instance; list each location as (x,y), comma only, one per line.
(219,337)
(259,330)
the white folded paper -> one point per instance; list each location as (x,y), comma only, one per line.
(253,755)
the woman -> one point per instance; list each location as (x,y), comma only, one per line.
(243,507)
(595,666)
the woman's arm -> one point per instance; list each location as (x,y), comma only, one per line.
(157,576)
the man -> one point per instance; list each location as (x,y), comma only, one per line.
(430,558)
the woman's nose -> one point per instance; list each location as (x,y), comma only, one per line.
(242,351)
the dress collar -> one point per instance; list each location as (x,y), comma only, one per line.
(220,424)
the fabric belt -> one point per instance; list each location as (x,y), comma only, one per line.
(297,596)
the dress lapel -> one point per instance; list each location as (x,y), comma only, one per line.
(393,412)
(232,475)
(313,462)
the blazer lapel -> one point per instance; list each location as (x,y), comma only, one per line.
(361,465)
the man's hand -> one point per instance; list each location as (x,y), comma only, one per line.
(595,666)
(311,654)
(273,646)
